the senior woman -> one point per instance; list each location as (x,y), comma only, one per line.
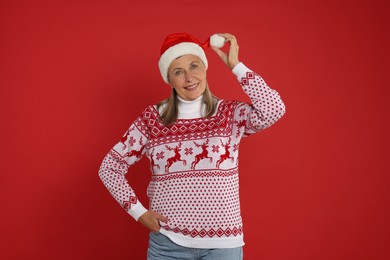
(192,140)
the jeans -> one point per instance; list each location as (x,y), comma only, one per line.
(162,248)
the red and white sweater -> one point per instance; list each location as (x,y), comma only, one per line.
(194,164)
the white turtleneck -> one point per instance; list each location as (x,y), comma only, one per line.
(191,108)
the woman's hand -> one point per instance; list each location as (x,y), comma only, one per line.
(230,58)
(150,220)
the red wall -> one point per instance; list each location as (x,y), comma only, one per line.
(75,74)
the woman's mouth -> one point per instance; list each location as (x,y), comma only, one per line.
(192,87)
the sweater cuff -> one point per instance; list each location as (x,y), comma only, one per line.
(240,70)
(137,210)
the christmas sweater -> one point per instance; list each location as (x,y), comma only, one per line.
(194,164)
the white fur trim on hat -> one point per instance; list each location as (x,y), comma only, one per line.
(176,51)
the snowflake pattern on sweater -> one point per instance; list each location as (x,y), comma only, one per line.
(194,165)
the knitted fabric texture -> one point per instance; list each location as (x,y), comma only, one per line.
(194,166)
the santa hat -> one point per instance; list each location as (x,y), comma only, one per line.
(179,44)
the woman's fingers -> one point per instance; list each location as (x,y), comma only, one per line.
(229,38)
(220,53)
(161,217)
(150,219)
(230,58)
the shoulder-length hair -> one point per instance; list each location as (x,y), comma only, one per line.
(171,110)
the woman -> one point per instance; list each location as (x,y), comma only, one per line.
(192,141)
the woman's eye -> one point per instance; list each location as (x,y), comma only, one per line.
(178,72)
(194,66)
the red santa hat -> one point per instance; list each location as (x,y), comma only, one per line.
(179,44)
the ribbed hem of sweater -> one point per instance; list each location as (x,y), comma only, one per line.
(193,242)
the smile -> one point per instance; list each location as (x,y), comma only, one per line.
(192,87)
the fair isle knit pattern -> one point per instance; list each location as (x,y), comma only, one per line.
(194,165)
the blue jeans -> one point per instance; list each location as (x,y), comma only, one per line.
(162,248)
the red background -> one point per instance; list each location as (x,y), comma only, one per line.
(75,74)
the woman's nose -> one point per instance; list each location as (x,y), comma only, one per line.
(188,77)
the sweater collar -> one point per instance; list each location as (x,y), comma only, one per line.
(190,108)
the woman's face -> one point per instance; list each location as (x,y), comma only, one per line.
(187,75)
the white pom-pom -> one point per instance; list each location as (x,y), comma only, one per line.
(217,41)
